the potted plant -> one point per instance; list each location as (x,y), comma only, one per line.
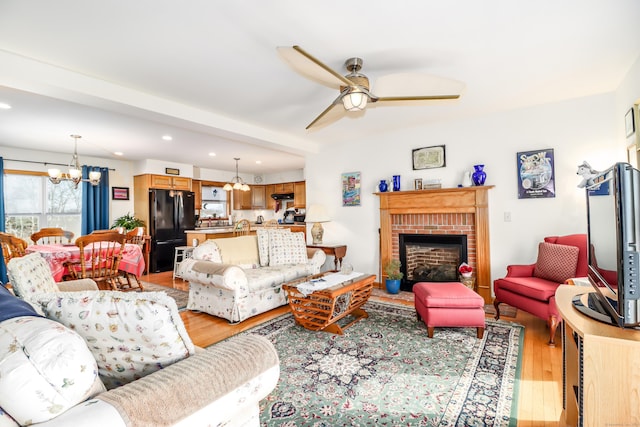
(128,221)
(394,276)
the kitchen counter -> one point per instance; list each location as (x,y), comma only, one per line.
(218,232)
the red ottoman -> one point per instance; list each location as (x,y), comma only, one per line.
(449,304)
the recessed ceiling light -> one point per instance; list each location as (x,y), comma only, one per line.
(259,162)
(119,153)
(167,137)
(212,154)
(4,106)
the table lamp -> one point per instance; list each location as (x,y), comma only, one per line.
(317,214)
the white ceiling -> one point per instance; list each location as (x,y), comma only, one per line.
(123,73)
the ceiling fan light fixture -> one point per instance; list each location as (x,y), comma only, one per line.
(355,100)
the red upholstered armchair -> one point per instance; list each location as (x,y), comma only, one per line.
(532,288)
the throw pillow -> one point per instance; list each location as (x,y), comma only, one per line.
(207,251)
(263,242)
(45,369)
(241,251)
(130,334)
(11,306)
(30,275)
(287,248)
(556,262)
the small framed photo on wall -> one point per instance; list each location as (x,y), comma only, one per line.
(120,193)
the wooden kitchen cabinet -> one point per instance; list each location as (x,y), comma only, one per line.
(269,190)
(242,200)
(258,197)
(166,182)
(299,194)
(196,187)
(283,187)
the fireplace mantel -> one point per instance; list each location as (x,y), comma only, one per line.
(447,201)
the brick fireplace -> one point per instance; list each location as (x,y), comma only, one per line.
(451,211)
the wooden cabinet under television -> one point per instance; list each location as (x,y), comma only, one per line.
(601,373)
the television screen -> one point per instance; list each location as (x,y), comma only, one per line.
(613,235)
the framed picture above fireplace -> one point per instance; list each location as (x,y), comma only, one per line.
(429,157)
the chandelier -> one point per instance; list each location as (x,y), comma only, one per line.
(75,171)
(236,182)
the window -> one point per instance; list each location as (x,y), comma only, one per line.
(32,202)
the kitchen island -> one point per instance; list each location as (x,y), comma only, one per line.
(219,232)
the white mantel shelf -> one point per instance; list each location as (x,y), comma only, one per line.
(473,200)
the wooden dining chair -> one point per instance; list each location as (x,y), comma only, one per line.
(12,246)
(272,223)
(120,230)
(52,235)
(242,228)
(100,256)
(137,236)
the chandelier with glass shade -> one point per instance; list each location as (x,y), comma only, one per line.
(75,171)
(236,182)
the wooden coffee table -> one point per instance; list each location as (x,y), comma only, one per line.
(320,310)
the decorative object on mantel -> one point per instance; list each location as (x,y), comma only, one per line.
(465,269)
(317,214)
(479,175)
(236,182)
(536,174)
(396,182)
(383,186)
(75,171)
(394,276)
(417,184)
(429,157)
(350,189)
(587,173)
(466,179)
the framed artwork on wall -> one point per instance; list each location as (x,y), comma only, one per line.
(629,123)
(429,157)
(120,193)
(536,176)
(351,189)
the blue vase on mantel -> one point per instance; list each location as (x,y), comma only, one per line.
(479,175)
(383,187)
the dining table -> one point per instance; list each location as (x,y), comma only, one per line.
(132,261)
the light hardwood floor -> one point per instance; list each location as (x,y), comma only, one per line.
(540,402)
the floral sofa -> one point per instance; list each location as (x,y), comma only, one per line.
(239,277)
(103,358)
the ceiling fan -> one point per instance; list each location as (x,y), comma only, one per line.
(355,94)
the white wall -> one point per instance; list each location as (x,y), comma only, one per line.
(577,130)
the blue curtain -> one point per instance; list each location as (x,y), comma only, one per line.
(95,201)
(3,268)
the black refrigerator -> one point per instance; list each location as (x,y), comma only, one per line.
(171,213)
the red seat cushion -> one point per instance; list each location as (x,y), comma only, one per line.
(531,287)
(556,262)
(446,294)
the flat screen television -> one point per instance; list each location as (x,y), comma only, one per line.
(613,218)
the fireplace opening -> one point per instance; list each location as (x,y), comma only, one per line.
(431,258)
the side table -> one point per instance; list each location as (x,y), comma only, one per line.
(338,252)
(182,253)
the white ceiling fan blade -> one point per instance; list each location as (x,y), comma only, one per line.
(331,114)
(311,67)
(417,86)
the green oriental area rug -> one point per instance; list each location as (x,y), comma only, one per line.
(385,371)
